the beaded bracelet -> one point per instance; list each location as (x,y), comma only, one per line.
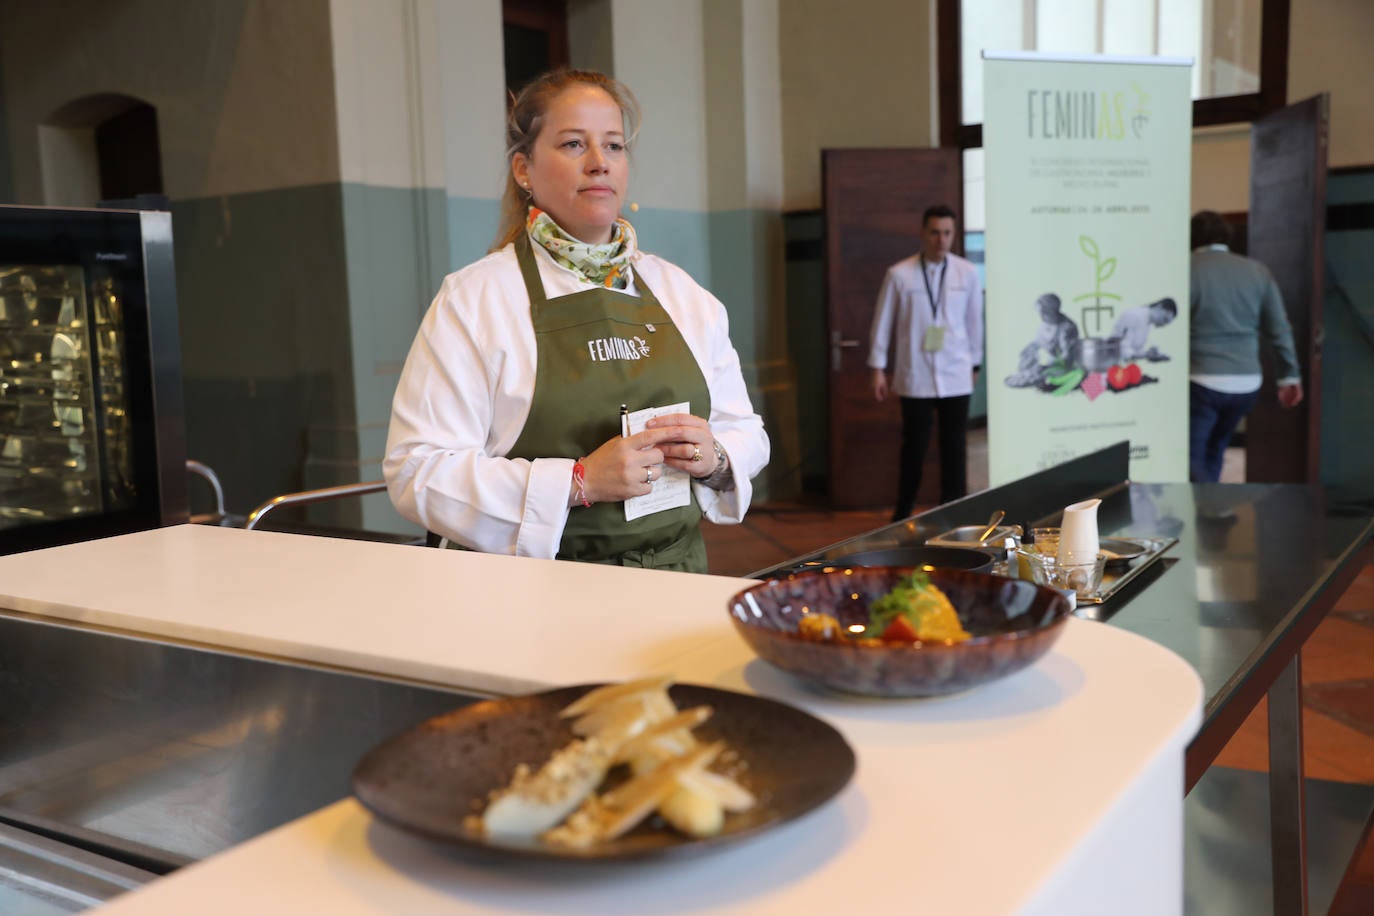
(580,482)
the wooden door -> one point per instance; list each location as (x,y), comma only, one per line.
(873,203)
(1286,233)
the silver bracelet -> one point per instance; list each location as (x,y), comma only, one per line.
(720,478)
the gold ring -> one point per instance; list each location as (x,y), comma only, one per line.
(649,475)
(696,453)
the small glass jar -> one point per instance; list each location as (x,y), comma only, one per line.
(1044,568)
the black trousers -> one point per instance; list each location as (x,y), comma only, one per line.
(952,418)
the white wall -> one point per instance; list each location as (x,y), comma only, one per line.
(1328,50)
(854,74)
(658,54)
(472,77)
(242,88)
(763,104)
(387,92)
(589,35)
(1221,169)
(743,104)
(71,174)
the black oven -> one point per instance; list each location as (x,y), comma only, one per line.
(91,422)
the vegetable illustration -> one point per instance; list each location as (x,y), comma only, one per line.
(1123,376)
(1068,381)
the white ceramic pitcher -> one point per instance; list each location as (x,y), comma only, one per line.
(1078,533)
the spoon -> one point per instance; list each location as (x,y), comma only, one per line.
(993,522)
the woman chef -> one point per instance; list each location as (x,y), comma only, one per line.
(506,430)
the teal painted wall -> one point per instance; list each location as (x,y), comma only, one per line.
(471,230)
(680,236)
(298,307)
(746,248)
(1347,423)
(265,343)
(396,254)
(735,247)
(806,344)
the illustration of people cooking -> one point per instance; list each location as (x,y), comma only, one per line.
(1058,359)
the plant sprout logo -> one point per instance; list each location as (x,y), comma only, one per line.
(1140,115)
(642,345)
(1097,300)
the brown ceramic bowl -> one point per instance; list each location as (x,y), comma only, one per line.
(1012,622)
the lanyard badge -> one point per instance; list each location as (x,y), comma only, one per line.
(934,338)
(933,341)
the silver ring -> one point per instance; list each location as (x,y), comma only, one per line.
(696,453)
(649,474)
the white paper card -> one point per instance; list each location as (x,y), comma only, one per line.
(671,490)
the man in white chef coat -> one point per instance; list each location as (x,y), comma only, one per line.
(930,311)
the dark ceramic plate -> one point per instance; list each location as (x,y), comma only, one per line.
(1012,623)
(426,780)
(1121,550)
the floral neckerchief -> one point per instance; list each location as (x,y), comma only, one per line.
(605,265)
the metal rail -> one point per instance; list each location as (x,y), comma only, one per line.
(306,497)
(207,473)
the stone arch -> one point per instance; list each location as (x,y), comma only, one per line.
(100,147)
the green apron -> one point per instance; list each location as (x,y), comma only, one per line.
(595,350)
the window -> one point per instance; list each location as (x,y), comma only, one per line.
(1240,46)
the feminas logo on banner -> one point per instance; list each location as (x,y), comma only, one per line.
(1090,114)
(603,349)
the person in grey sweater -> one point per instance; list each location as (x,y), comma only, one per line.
(1234,300)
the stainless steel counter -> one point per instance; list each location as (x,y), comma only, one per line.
(44,877)
(156,755)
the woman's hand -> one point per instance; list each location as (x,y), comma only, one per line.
(625,466)
(689,447)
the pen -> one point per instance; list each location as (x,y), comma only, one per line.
(624,421)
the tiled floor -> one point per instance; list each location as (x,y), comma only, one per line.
(1338,661)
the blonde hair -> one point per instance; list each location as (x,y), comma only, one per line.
(525,121)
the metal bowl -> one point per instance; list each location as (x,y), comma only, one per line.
(966,536)
(1097,354)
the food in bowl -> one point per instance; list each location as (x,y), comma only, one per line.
(913,611)
(1010,624)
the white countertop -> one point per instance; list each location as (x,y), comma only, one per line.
(1056,790)
(429,615)
(1012,798)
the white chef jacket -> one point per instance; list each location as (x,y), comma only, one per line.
(903,304)
(465,392)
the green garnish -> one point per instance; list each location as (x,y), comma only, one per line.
(909,598)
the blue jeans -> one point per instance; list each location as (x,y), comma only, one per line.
(1212,419)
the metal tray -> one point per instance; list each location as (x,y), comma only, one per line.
(1118,574)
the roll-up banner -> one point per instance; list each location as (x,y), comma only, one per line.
(1087,179)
